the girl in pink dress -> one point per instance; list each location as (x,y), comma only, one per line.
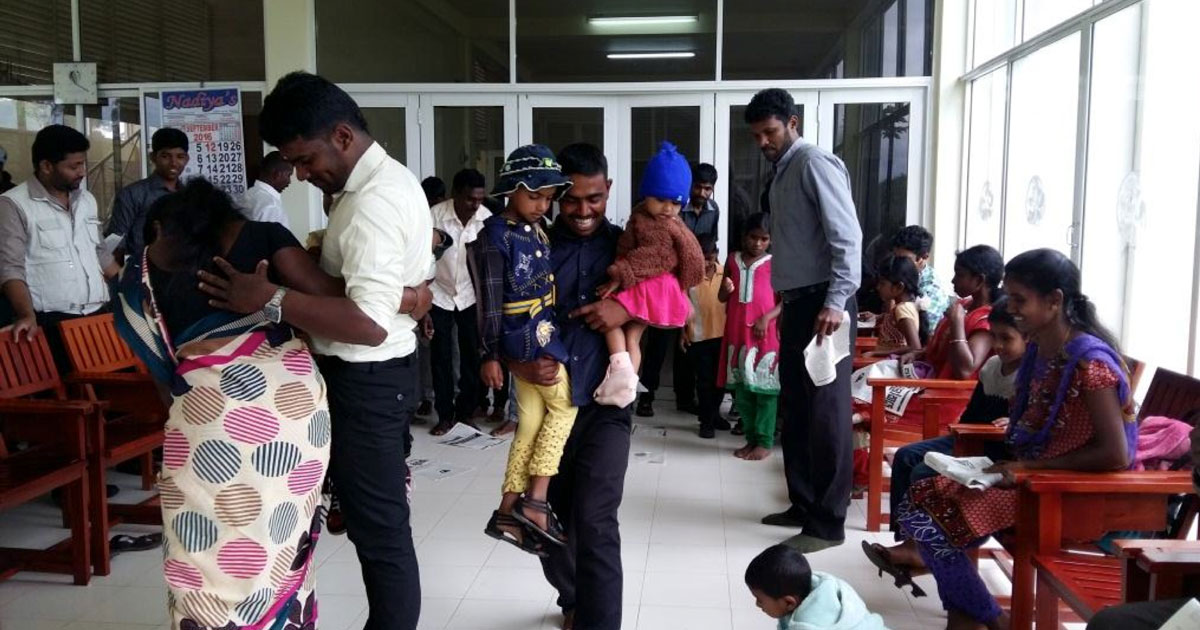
(658,260)
(750,354)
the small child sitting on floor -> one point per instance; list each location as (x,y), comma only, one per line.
(787,589)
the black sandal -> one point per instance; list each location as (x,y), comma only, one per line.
(526,543)
(876,553)
(553,533)
(122,542)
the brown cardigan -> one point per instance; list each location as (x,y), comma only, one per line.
(652,246)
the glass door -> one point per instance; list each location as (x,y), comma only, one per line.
(686,120)
(466,131)
(559,120)
(392,122)
(880,134)
(742,171)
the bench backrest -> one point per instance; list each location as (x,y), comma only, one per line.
(93,345)
(27,368)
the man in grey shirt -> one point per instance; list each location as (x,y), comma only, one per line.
(816,247)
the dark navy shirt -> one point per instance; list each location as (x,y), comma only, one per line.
(129,211)
(581,265)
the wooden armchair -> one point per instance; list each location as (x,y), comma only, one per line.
(936,394)
(105,369)
(1046,533)
(1046,536)
(54,431)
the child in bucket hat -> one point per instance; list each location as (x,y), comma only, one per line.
(515,284)
(658,260)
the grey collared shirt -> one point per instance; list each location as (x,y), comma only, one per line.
(705,222)
(815,236)
(129,211)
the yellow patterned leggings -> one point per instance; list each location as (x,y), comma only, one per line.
(544,419)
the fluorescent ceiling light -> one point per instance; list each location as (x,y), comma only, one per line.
(652,55)
(643,20)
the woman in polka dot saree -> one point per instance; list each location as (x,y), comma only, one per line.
(247,440)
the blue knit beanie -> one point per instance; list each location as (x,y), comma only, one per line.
(668,175)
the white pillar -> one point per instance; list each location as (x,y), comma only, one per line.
(946,159)
(290,39)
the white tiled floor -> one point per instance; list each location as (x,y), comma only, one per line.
(689,526)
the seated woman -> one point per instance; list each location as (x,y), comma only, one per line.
(1072,410)
(958,348)
(247,438)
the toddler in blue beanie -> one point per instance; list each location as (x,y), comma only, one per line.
(658,260)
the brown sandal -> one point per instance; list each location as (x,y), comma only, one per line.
(527,542)
(553,533)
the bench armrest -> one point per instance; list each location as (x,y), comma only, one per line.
(108,378)
(1125,482)
(980,431)
(922,383)
(50,407)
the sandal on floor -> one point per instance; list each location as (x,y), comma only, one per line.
(526,543)
(553,533)
(877,554)
(121,542)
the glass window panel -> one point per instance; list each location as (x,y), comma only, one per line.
(651,125)
(20,120)
(1112,122)
(173,40)
(33,35)
(468,137)
(413,41)
(116,153)
(1042,15)
(388,127)
(985,159)
(810,39)
(748,174)
(556,127)
(1159,302)
(1040,191)
(555,45)
(872,139)
(995,28)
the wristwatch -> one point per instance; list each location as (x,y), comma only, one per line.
(273,309)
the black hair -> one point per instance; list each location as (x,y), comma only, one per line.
(770,103)
(1000,315)
(55,142)
(304,105)
(273,162)
(434,188)
(703,173)
(757,221)
(708,244)
(915,239)
(468,178)
(1046,271)
(902,270)
(195,217)
(582,158)
(984,260)
(780,571)
(168,138)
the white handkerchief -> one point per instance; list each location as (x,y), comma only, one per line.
(821,360)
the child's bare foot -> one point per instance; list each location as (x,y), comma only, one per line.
(504,429)
(741,452)
(757,453)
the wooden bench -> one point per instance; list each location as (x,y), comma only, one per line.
(1046,536)
(105,369)
(55,456)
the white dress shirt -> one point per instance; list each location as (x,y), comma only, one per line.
(263,203)
(452,287)
(378,240)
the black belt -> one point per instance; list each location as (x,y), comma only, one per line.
(791,295)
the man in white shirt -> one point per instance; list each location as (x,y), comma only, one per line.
(454,319)
(378,242)
(262,201)
(49,240)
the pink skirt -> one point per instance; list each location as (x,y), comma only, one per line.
(659,302)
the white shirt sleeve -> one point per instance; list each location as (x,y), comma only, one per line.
(373,246)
